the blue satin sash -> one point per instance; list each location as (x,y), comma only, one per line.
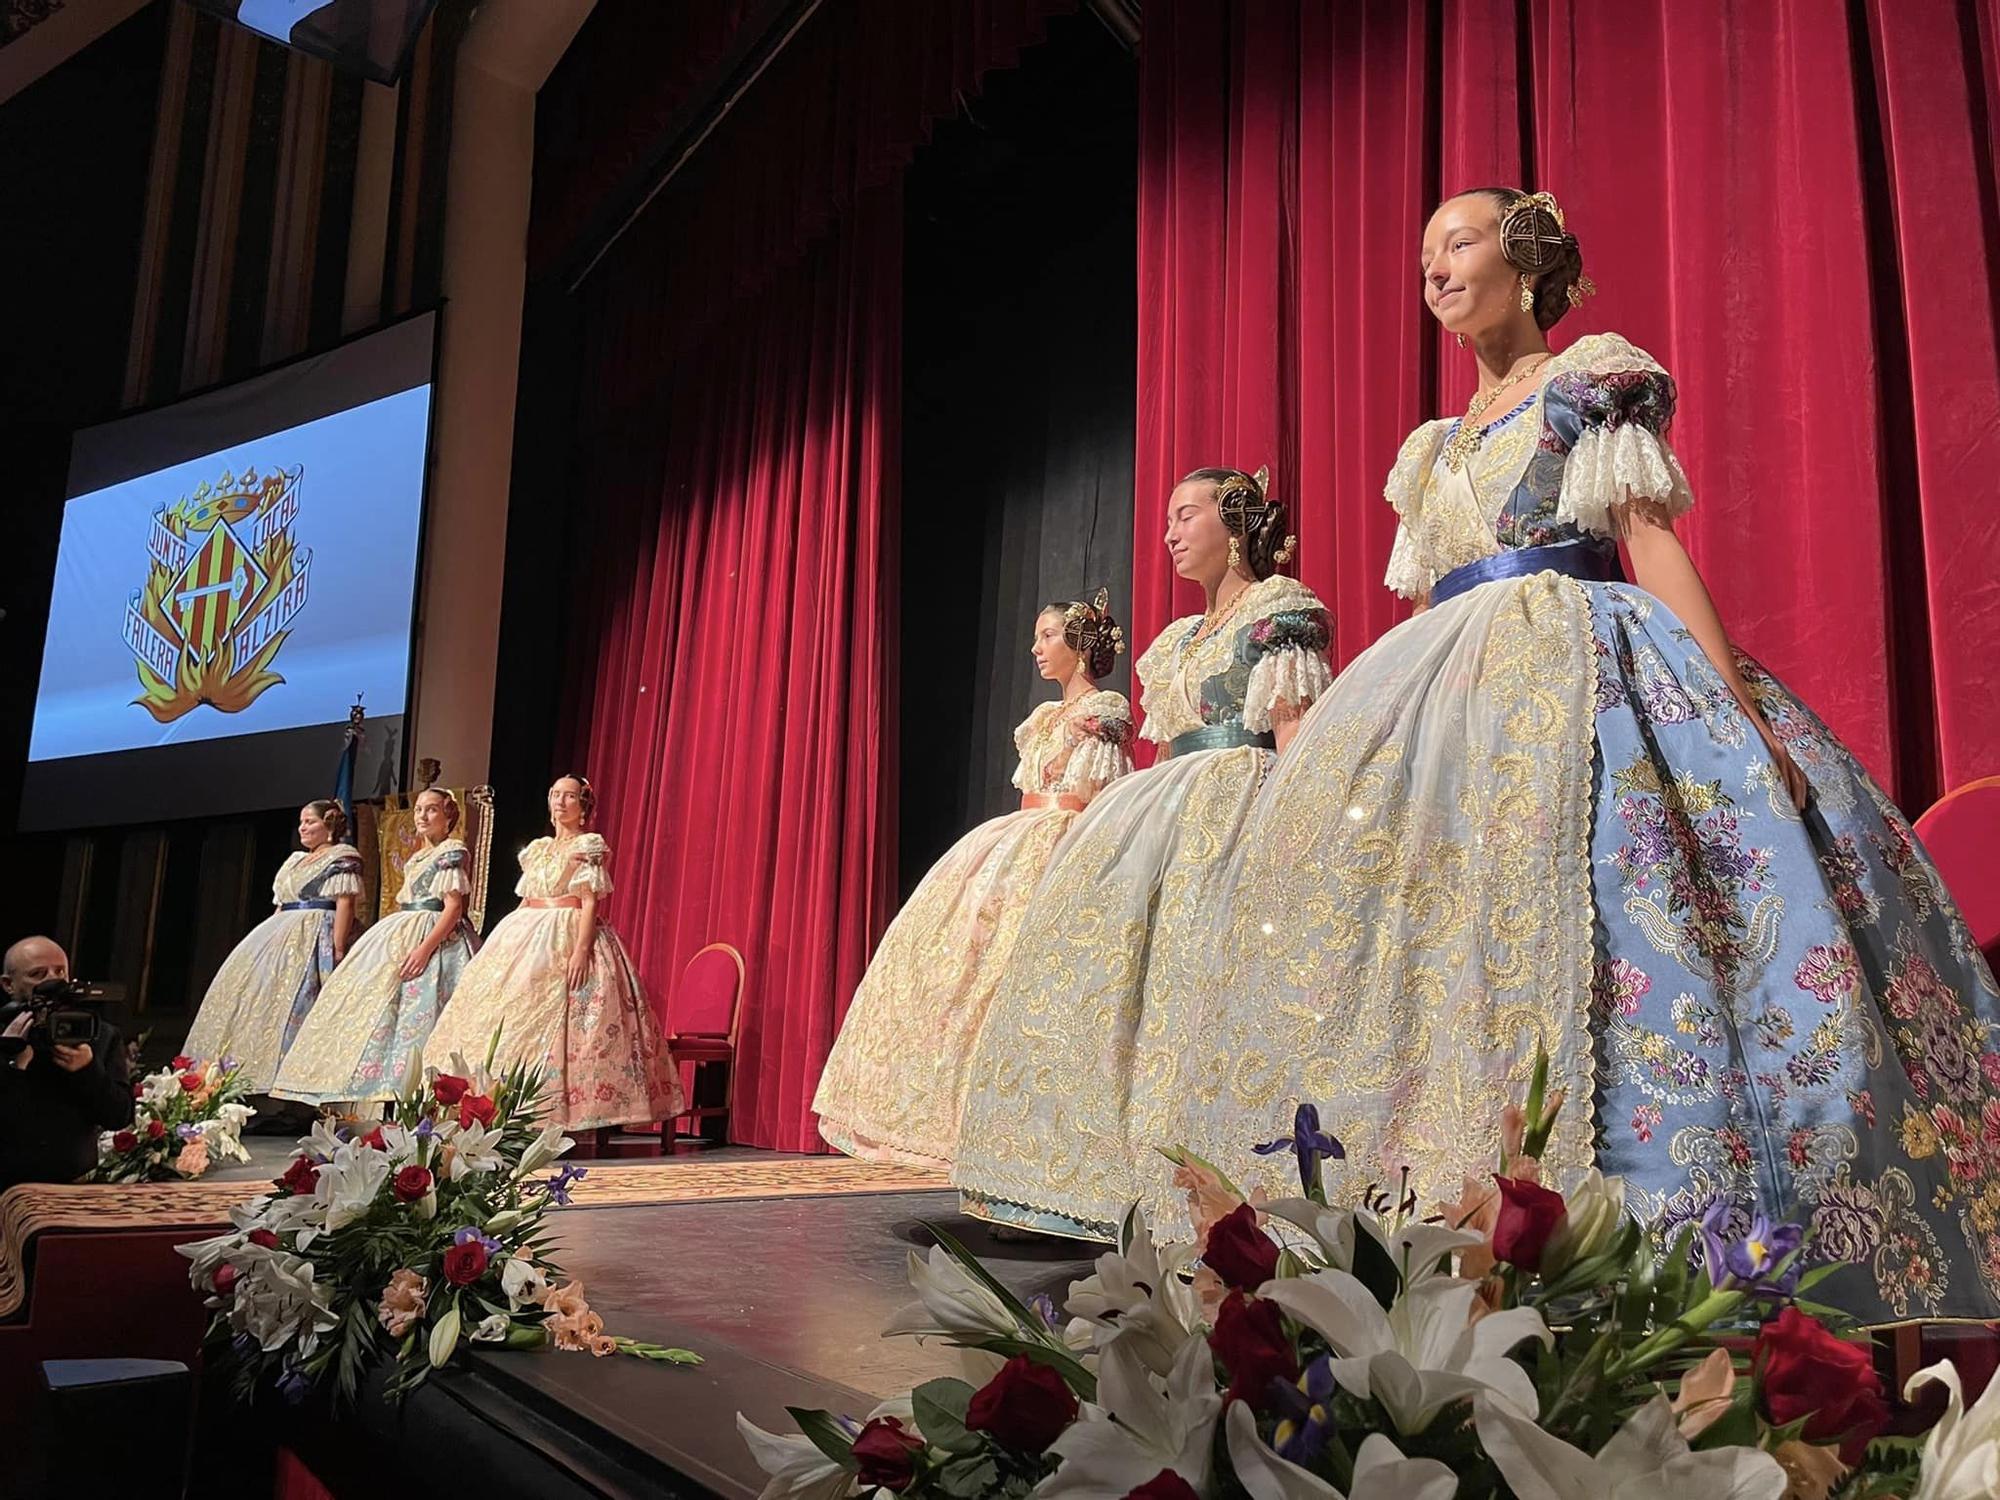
(1591,561)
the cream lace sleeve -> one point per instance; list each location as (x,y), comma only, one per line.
(1408,575)
(1100,748)
(1287,648)
(450,877)
(593,872)
(343,876)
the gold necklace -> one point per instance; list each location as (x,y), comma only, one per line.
(1212,622)
(1466,441)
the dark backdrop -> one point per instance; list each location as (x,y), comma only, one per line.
(1018,403)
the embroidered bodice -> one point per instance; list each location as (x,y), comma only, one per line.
(1074,749)
(1271,651)
(331,872)
(1556,468)
(433,874)
(549,869)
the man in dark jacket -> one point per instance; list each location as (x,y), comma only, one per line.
(54,1098)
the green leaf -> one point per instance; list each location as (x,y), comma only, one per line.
(1375,1268)
(939,1407)
(969,1478)
(826,1435)
(1737,1427)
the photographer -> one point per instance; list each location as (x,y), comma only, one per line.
(55,1096)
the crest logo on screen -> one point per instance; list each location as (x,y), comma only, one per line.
(224,582)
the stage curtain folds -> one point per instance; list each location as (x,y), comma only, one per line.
(1792,206)
(731,624)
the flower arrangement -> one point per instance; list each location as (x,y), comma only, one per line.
(404,1241)
(1520,1343)
(186,1117)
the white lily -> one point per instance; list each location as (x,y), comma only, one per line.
(1594,1212)
(1381,1472)
(1962,1453)
(1134,1429)
(492,1329)
(1419,1250)
(950,1303)
(276,1300)
(524,1282)
(160,1088)
(348,1184)
(1421,1355)
(476,1148)
(543,1149)
(1646,1459)
(1136,1296)
(797,1469)
(323,1140)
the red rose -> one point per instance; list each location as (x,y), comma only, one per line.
(181,1064)
(1165,1485)
(465,1264)
(192,1082)
(225,1279)
(475,1107)
(1249,1339)
(1804,1369)
(301,1176)
(412,1183)
(124,1141)
(450,1089)
(138,1091)
(1529,1214)
(1239,1252)
(373,1140)
(886,1455)
(155,1129)
(1024,1406)
(263,1237)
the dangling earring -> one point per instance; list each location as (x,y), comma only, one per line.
(1527,295)
(1461,339)
(1235,552)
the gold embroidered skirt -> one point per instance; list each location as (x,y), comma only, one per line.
(894,1085)
(1077,1074)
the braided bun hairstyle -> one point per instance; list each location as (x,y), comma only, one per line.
(1090,631)
(1252,515)
(1535,242)
(334,816)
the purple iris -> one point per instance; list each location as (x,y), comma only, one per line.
(1310,1145)
(566,1177)
(228,1065)
(295,1386)
(187,1132)
(468,1234)
(426,1128)
(1752,1256)
(1045,1308)
(1304,1420)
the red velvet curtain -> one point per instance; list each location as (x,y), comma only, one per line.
(1793,206)
(733,620)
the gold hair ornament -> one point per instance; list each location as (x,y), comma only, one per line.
(1088,628)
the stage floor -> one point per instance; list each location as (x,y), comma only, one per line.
(785,1299)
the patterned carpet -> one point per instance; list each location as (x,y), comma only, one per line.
(32,1210)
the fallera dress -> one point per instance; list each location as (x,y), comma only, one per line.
(261,995)
(1535,812)
(894,1084)
(356,1045)
(1077,1073)
(603,1059)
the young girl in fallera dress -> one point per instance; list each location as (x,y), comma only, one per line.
(933,977)
(1558,807)
(1077,1073)
(269,983)
(376,1012)
(555,983)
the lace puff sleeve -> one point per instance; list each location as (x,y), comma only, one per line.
(1612,407)
(1154,671)
(343,876)
(452,871)
(593,872)
(1026,776)
(1288,663)
(1407,574)
(1100,747)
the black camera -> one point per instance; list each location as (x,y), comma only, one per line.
(61,1016)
